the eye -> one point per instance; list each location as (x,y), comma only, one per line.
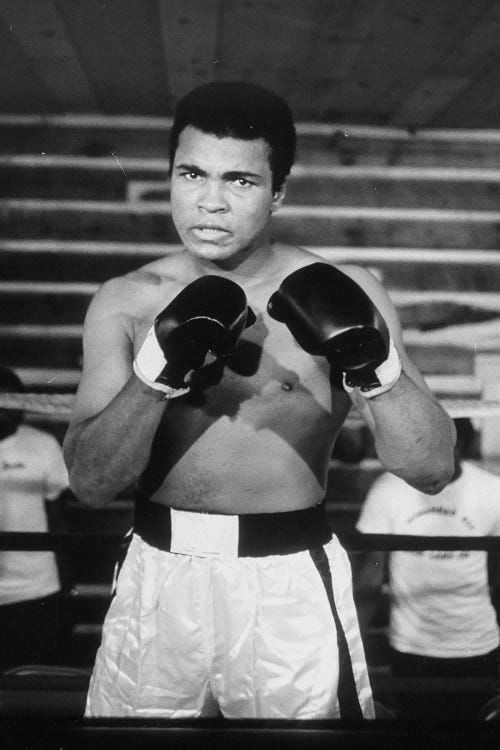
(191,176)
(243,183)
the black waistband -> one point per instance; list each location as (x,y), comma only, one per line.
(259,534)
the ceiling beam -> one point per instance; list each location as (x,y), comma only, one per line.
(268,42)
(428,99)
(341,35)
(40,33)
(450,78)
(189,30)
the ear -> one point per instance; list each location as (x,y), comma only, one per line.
(279,197)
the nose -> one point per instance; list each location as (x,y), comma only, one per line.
(212,198)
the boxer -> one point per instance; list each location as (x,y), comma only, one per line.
(215,382)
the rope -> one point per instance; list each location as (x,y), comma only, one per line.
(352,541)
(60,404)
(38,403)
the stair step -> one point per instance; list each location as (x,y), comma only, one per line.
(41,303)
(421,268)
(475,337)
(369,186)
(26,346)
(57,367)
(57,346)
(484,301)
(336,254)
(82,263)
(306,225)
(317,142)
(131,179)
(408,276)
(472,299)
(33,312)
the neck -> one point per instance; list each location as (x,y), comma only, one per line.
(246,264)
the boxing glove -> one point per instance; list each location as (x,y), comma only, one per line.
(207,317)
(329,314)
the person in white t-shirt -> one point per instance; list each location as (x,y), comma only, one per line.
(33,477)
(442,620)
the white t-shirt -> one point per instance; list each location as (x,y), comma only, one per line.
(31,470)
(440,602)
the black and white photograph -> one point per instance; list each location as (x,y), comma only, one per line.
(249,374)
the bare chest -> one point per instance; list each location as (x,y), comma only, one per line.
(267,360)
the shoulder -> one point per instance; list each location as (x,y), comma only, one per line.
(120,291)
(386,482)
(371,286)
(290,258)
(482,475)
(27,432)
(297,257)
(389,494)
(125,295)
(34,437)
(377,510)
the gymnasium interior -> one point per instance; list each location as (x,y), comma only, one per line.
(398,170)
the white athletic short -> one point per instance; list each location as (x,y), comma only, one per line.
(201,631)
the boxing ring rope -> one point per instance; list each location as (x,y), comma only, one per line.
(351,541)
(62,699)
(39,403)
(60,404)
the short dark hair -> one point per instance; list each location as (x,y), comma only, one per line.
(9,381)
(466,435)
(240,110)
(10,419)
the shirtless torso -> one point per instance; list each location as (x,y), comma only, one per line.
(255,434)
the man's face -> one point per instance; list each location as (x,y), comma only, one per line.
(221,194)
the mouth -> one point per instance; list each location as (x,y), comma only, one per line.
(210,232)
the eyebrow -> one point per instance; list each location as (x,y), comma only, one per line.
(231,175)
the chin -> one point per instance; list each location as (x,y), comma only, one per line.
(212,252)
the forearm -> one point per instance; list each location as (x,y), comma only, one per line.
(107,453)
(414,437)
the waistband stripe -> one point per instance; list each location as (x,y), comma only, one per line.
(217,535)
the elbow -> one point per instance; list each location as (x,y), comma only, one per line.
(441,470)
(434,481)
(432,469)
(433,486)
(87,486)
(88,492)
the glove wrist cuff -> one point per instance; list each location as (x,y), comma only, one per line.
(388,374)
(150,359)
(167,389)
(149,365)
